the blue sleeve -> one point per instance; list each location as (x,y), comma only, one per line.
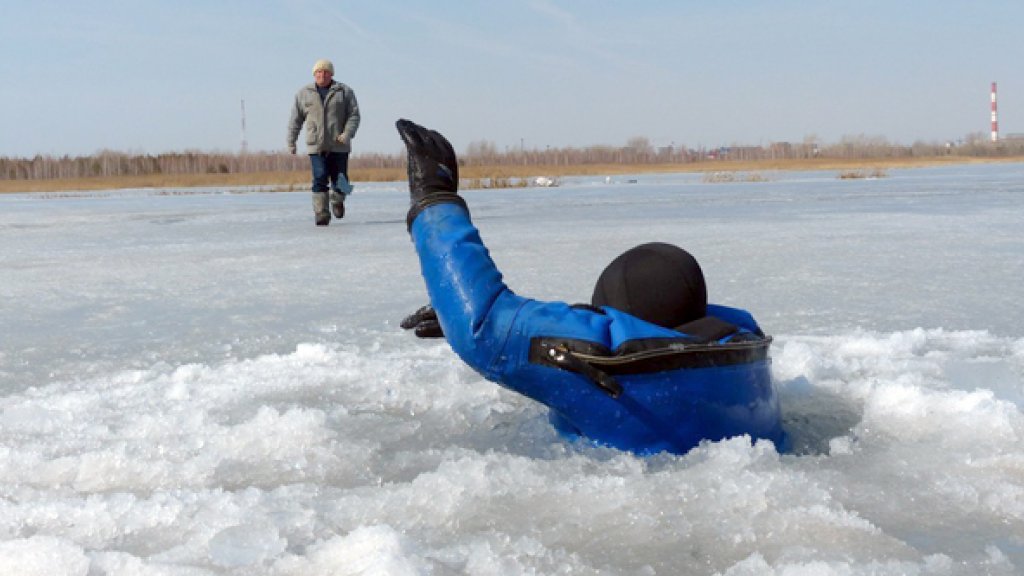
(475,308)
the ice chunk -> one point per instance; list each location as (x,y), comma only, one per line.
(246,545)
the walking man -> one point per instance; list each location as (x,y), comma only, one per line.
(330,114)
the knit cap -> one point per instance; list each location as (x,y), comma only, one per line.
(323,65)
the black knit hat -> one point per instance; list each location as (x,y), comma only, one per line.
(656,282)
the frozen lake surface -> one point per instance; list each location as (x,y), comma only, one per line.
(203,382)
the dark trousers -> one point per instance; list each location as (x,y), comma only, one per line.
(326,168)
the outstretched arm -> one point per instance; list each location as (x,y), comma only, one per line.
(473,306)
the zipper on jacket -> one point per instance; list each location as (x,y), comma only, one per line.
(674,349)
(560,355)
(601,366)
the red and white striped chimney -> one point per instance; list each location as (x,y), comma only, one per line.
(995,119)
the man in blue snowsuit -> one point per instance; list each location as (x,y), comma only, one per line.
(647,367)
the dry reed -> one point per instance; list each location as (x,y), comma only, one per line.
(473,174)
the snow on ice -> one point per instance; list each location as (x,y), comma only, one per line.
(202,382)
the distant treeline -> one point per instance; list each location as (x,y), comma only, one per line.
(637,151)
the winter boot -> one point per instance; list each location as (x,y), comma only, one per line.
(323,217)
(338,204)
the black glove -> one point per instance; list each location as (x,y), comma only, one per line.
(424,322)
(433,168)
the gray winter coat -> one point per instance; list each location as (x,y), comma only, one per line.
(324,122)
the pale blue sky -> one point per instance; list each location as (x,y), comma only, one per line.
(152,76)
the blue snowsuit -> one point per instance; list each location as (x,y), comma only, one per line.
(604,374)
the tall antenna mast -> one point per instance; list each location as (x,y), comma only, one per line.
(245,143)
(995,118)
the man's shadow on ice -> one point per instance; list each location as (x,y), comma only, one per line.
(812,417)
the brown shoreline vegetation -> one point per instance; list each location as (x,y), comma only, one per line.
(483,175)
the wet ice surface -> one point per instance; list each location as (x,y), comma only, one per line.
(209,384)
